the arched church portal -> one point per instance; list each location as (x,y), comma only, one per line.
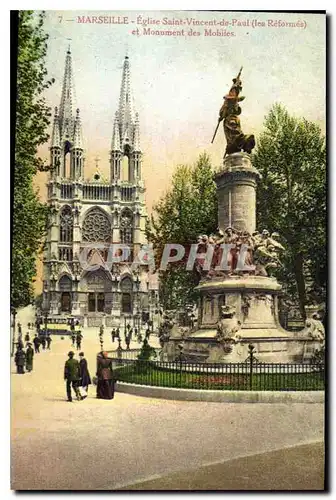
(64,286)
(99,290)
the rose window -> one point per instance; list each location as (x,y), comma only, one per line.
(96,227)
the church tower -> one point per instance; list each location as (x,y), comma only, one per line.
(125,146)
(89,216)
(125,168)
(67,155)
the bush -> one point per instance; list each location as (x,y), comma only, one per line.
(147,352)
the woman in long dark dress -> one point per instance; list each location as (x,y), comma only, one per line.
(84,372)
(105,384)
(29,357)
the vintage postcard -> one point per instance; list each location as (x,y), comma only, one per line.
(169,274)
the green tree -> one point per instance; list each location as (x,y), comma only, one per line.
(188,209)
(291,198)
(32,119)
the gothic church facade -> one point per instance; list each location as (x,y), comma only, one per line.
(88,216)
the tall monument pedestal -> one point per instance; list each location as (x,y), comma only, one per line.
(236,193)
(239,307)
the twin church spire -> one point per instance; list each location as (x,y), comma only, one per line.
(67,138)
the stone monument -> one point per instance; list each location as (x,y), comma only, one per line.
(238,294)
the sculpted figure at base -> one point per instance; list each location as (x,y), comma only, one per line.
(228,326)
(314,328)
(254,254)
(166,326)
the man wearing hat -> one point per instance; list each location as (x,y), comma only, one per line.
(29,357)
(72,376)
(20,358)
(36,342)
(84,372)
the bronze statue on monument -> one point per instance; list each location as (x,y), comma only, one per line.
(229,113)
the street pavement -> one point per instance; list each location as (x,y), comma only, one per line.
(130,441)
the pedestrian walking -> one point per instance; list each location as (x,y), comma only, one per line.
(27,337)
(113,334)
(84,372)
(128,341)
(19,329)
(49,340)
(105,384)
(72,376)
(28,326)
(73,338)
(79,337)
(147,334)
(20,359)
(118,333)
(29,357)
(43,341)
(36,342)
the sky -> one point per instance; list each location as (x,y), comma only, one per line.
(179,81)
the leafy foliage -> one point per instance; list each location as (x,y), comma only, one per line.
(32,120)
(187,209)
(291,199)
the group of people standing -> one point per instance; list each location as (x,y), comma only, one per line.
(76,334)
(76,372)
(77,377)
(76,337)
(41,340)
(115,334)
(24,356)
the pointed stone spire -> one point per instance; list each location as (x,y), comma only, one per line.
(66,107)
(77,135)
(115,145)
(126,112)
(55,135)
(126,133)
(136,141)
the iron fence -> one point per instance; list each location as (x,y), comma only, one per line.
(250,375)
(128,354)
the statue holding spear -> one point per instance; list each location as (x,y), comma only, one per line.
(229,113)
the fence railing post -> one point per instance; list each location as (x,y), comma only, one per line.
(251,358)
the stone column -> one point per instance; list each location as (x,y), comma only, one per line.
(116,302)
(75,307)
(236,191)
(54,303)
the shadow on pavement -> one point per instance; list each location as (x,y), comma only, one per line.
(296,468)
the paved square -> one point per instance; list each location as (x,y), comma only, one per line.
(98,444)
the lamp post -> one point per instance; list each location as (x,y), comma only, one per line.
(151,310)
(139,321)
(45,323)
(135,310)
(14,312)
